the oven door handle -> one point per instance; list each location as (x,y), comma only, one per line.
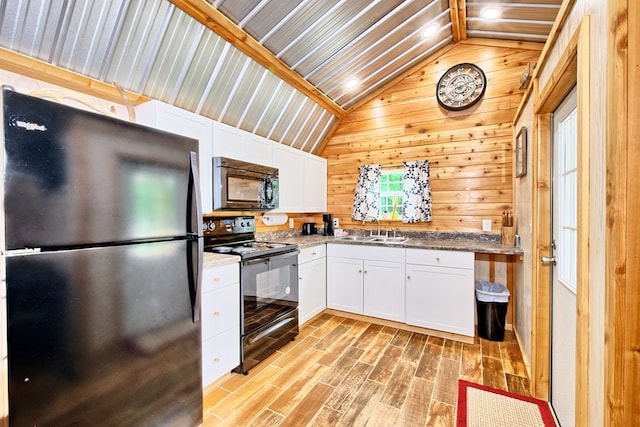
(265,260)
(271,329)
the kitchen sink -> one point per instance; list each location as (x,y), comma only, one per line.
(357,238)
(375,239)
(390,240)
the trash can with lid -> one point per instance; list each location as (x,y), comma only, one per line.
(492,300)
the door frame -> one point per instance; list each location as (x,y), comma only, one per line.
(572,69)
(622,256)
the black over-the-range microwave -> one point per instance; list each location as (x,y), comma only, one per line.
(239,185)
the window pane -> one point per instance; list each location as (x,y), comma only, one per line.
(391,194)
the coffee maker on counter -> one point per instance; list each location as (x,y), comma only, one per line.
(328,224)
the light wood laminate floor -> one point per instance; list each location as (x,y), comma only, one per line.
(346,372)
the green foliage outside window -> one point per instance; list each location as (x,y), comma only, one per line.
(391,194)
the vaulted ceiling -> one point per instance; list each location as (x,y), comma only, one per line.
(276,68)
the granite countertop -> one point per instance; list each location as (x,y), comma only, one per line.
(211,259)
(467,242)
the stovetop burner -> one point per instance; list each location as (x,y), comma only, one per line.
(235,235)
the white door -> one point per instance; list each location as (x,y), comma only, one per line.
(563,277)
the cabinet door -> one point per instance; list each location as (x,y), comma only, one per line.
(312,288)
(440,298)
(241,145)
(344,284)
(227,141)
(384,292)
(290,178)
(176,120)
(315,184)
(258,150)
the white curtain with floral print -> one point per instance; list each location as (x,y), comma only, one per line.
(416,187)
(366,201)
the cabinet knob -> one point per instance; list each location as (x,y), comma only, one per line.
(299,277)
(438,259)
(313,253)
(365,272)
(216,360)
(216,279)
(359,271)
(408,277)
(216,313)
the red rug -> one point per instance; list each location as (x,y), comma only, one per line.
(480,405)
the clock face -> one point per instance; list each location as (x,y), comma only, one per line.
(461,86)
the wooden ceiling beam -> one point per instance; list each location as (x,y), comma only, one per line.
(40,70)
(458,10)
(214,20)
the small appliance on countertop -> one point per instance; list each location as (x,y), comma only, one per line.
(309,228)
(328,224)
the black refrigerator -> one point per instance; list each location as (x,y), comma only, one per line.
(102,246)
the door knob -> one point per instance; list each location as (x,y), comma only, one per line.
(548,260)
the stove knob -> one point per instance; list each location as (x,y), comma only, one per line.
(212,225)
(204,226)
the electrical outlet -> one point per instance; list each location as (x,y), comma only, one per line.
(336,223)
(486,225)
(291,223)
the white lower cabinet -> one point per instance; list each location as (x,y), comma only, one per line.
(220,314)
(345,284)
(440,290)
(383,290)
(312,275)
(366,280)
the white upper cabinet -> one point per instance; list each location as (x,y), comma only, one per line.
(176,120)
(241,145)
(302,178)
(315,184)
(290,164)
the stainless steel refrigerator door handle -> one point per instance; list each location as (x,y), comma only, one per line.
(546,260)
(195,219)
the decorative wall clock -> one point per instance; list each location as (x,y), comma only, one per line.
(461,86)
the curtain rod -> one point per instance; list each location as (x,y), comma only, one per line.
(400,165)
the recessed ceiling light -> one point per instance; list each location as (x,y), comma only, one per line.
(490,13)
(352,83)
(430,31)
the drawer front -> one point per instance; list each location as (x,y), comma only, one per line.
(377,253)
(219,277)
(220,355)
(312,253)
(220,310)
(454,259)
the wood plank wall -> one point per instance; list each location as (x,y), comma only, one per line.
(470,151)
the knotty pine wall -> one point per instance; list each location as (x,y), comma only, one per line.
(470,151)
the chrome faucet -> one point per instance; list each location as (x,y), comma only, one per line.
(374,219)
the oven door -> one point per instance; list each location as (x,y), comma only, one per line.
(269,289)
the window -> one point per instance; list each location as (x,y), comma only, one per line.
(391,182)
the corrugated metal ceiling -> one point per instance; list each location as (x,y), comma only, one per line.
(154,48)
